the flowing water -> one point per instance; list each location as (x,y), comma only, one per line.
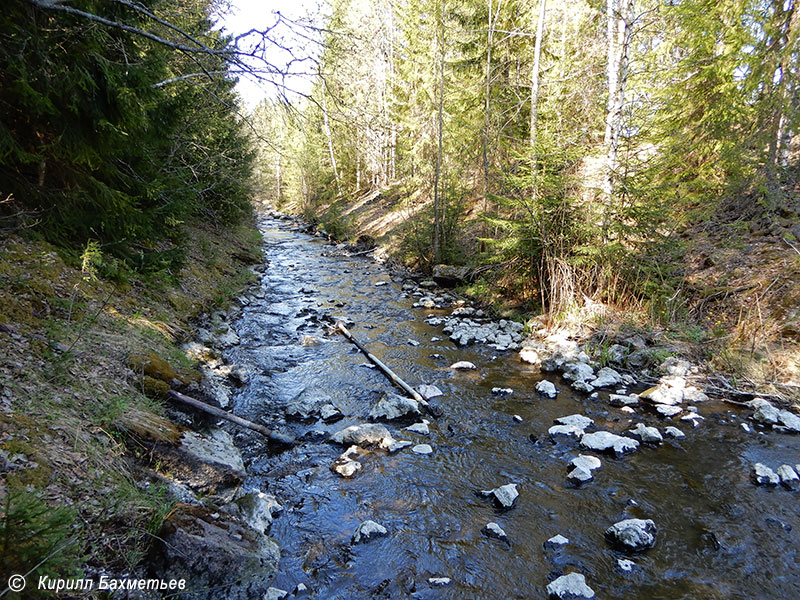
(719,536)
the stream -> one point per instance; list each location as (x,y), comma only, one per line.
(719,535)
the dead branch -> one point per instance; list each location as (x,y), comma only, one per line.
(273,436)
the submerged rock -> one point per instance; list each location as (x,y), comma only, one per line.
(393,406)
(568,587)
(625,565)
(346,465)
(255,508)
(367,531)
(422,449)
(429,391)
(546,388)
(367,435)
(632,535)
(420,428)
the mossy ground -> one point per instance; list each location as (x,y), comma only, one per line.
(82,360)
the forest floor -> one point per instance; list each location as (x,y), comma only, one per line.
(83,363)
(736,308)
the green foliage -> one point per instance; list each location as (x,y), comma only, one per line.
(35,538)
(92,147)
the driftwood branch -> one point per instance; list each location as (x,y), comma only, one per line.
(393,377)
(273,436)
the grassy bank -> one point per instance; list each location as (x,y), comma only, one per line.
(83,360)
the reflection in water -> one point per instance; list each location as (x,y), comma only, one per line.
(719,536)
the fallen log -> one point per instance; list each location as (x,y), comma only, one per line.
(273,436)
(393,377)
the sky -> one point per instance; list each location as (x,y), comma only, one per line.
(259,14)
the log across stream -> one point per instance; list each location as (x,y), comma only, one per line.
(718,535)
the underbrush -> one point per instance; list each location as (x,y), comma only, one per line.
(71,394)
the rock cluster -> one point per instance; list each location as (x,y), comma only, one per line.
(783,421)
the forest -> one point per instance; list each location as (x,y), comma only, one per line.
(566,150)
(555,226)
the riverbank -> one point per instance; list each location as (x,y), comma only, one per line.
(92,454)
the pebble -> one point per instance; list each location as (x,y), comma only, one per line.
(398,445)
(674,432)
(439,581)
(463,365)
(625,565)
(517,418)
(368,530)
(497,391)
(556,542)
(422,449)
(586,462)
(763,475)
(494,530)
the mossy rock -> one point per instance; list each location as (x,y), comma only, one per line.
(153,366)
(154,388)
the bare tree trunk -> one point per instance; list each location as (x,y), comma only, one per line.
(619,41)
(487,102)
(330,138)
(537,53)
(436,192)
(786,94)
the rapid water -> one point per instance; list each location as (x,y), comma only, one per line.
(719,536)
